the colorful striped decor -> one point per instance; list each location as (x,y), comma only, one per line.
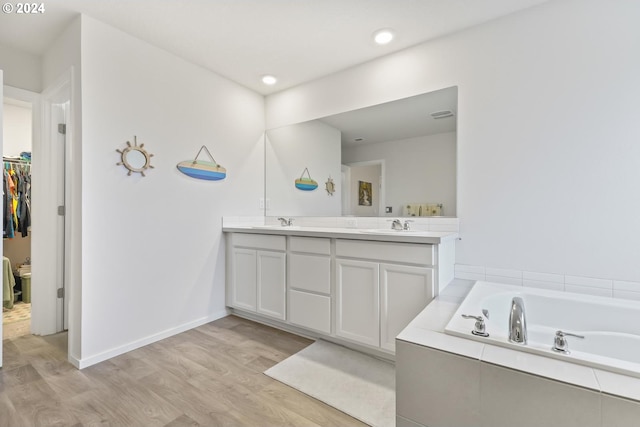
(306,184)
(200,169)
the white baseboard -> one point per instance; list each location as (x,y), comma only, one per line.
(100,357)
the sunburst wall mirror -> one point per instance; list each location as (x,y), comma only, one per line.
(135,158)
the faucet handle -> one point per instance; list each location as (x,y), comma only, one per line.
(560,344)
(479,328)
(395,224)
(285,221)
(406,224)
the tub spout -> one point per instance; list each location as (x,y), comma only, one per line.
(517,322)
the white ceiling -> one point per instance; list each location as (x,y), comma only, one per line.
(295,40)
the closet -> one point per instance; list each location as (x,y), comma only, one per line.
(16,213)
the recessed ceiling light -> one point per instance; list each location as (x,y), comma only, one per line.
(383,36)
(269,80)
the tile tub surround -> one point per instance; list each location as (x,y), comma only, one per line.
(498,368)
(551,281)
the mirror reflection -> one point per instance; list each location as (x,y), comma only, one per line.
(392,159)
(135,159)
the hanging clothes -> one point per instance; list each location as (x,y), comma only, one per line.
(24,204)
(16,197)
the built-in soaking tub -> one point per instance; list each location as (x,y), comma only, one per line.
(611,327)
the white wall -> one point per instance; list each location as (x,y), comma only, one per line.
(291,149)
(16,130)
(153,250)
(548,132)
(417,170)
(21,69)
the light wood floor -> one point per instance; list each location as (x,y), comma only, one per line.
(16,329)
(208,376)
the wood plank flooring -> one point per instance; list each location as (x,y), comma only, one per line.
(208,376)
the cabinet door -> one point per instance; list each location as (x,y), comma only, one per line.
(244,279)
(271,284)
(357,301)
(405,291)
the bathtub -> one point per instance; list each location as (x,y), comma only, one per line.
(611,327)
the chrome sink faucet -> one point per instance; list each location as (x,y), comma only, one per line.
(396,225)
(286,222)
(517,322)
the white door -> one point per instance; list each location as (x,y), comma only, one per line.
(357,301)
(271,284)
(244,281)
(51,243)
(58,135)
(405,291)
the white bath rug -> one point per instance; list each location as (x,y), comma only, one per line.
(355,383)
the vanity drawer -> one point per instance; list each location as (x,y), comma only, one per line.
(310,273)
(406,253)
(310,311)
(312,245)
(260,241)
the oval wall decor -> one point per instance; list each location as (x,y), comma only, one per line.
(200,169)
(306,184)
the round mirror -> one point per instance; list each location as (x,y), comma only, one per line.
(135,158)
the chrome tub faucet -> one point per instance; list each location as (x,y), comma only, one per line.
(517,322)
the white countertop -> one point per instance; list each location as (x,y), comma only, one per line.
(427,329)
(387,235)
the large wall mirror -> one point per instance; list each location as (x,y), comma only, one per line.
(391,159)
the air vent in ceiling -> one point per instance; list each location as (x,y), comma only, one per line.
(442,114)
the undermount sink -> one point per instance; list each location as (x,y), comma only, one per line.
(389,231)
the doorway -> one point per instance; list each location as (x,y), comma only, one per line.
(17,127)
(49,116)
(364,186)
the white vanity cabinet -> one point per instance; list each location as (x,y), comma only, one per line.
(258,266)
(380,288)
(309,284)
(348,286)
